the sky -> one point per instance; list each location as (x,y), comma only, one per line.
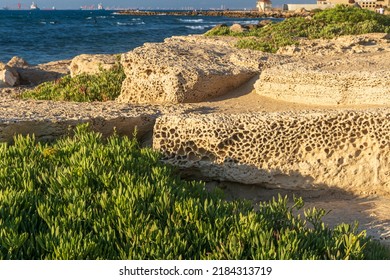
(147,4)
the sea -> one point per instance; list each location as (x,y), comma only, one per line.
(43,36)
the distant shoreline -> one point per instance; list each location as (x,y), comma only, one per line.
(224,13)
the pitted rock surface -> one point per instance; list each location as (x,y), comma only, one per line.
(343,71)
(348,149)
(186,69)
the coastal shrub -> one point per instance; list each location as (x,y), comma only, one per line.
(104,86)
(329,23)
(85,197)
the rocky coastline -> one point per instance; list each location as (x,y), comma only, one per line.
(309,118)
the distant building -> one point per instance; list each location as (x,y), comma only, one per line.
(323,4)
(373,4)
(264,5)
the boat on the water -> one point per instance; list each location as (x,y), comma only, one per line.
(34,6)
(100,6)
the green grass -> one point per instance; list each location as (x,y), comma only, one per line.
(330,23)
(103,86)
(85,197)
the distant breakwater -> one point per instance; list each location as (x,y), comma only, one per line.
(225,13)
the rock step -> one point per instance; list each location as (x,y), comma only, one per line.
(49,120)
(345,149)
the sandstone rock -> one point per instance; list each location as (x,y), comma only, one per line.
(37,74)
(186,69)
(49,120)
(350,44)
(343,71)
(237,28)
(8,76)
(333,83)
(17,62)
(345,149)
(92,63)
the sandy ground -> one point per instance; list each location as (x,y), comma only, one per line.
(372,212)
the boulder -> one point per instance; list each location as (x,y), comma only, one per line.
(92,63)
(9,77)
(237,28)
(17,62)
(186,69)
(37,74)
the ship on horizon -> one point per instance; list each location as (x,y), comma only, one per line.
(99,7)
(34,6)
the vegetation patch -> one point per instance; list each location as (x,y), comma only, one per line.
(104,86)
(327,24)
(84,197)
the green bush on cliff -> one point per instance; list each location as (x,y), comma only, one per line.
(84,197)
(329,23)
(103,86)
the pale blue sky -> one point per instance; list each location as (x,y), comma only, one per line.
(153,4)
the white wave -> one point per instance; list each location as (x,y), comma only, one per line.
(43,22)
(248,22)
(124,23)
(190,20)
(196,27)
(130,23)
(89,18)
(101,17)
(135,19)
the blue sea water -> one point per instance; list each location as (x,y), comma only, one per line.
(43,36)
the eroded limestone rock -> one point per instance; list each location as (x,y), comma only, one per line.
(349,44)
(9,77)
(92,63)
(17,62)
(19,72)
(237,28)
(351,70)
(49,120)
(186,69)
(345,149)
(315,83)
